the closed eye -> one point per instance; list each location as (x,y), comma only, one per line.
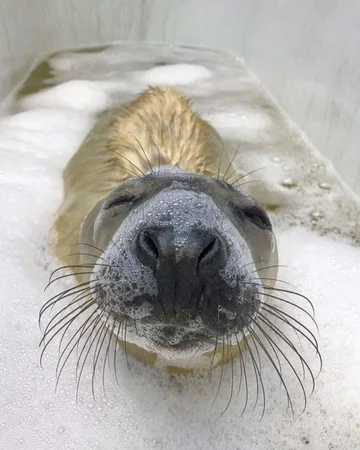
(118,201)
(257,217)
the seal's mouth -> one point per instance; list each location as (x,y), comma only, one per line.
(178,338)
(168,335)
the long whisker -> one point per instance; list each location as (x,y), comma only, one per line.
(88,305)
(290,404)
(88,245)
(97,351)
(115,349)
(74,266)
(68,292)
(230,164)
(142,148)
(218,172)
(222,371)
(111,336)
(79,373)
(232,378)
(252,332)
(62,310)
(243,370)
(129,161)
(81,331)
(85,254)
(247,174)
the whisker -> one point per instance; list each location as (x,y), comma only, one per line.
(125,346)
(269,267)
(286,291)
(115,349)
(74,266)
(314,345)
(271,308)
(215,349)
(129,161)
(290,404)
(58,331)
(289,363)
(231,161)
(82,330)
(88,245)
(289,302)
(86,254)
(243,370)
(232,378)
(97,351)
(64,294)
(72,274)
(248,182)
(218,172)
(255,367)
(222,371)
(111,335)
(75,300)
(258,368)
(247,174)
(78,373)
(142,148)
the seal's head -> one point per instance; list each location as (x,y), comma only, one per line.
(183,259)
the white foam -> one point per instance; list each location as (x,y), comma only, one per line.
(89,97)
(175,74)
(147,411)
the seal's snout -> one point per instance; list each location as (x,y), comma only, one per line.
(183,263)
(200,253)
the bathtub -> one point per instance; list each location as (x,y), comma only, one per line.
(305,52)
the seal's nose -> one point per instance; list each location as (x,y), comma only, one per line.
(199,253)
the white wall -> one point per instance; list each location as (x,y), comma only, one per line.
(306,52)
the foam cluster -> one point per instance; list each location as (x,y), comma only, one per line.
(149,409)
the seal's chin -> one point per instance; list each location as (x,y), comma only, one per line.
(171,341)
(179,340)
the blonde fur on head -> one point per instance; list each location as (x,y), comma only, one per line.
(158,128)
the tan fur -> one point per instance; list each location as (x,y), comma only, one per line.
(159,127)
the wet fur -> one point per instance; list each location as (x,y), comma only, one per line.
(158,128)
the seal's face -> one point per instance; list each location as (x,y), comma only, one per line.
(183,260)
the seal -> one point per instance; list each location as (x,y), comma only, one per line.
(174,261)
(181,251)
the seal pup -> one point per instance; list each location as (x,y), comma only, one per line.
(173,256)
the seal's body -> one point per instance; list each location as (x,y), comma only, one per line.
(179,254)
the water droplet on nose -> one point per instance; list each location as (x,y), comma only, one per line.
(325,186)
(317,215)
(285,168)
(276,159)
(289,183)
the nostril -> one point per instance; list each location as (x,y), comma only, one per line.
(208,252)
(212,257)
(148,244)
